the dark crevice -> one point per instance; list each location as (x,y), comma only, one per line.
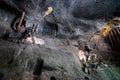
(9,8)
(86,78)
(5,36)
(117,12)
(38,67)
(1,75)
(52,78)
(15,23)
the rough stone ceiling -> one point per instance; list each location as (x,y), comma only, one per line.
(71,17)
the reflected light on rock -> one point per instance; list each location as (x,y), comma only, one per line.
(82,56)
(49,10)
(36,40)
(39,41)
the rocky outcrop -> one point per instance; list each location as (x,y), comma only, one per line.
(69,18)
(55,59)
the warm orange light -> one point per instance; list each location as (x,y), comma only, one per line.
(49,10)
(82,56)
(107,28)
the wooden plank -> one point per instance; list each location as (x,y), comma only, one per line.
(20,22)
(110,39)
(116,38)
(113,40)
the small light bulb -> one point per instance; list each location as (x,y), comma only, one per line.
(49,10)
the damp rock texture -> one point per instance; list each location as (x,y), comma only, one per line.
(56,60)
(69,17)
(60,35)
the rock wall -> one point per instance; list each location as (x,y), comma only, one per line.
(55,59)
(72,20)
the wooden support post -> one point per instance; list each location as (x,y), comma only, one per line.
(114,40)
(20,22)
(111,41)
